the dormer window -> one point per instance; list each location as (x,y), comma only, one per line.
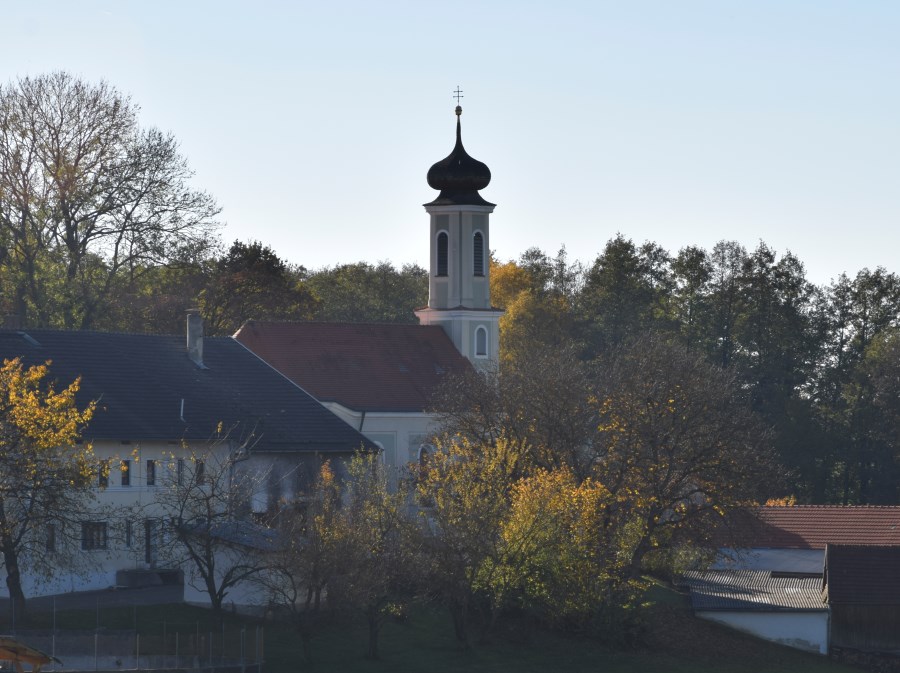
(442,247)
(478,253)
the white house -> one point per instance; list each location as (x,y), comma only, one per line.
(161,402)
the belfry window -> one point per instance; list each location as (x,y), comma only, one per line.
(478,253)
(442,245)
(481,345)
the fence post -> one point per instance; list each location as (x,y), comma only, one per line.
(243,633)
(96,639)
(176,650)
(53,641)
(137,651)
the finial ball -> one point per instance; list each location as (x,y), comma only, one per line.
(458,110)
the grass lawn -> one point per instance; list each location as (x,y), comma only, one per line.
(675,642)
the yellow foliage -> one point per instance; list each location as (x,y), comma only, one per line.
(789,501)
(508,280)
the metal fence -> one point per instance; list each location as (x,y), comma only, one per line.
(173,647)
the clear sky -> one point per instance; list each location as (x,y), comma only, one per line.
(681,122)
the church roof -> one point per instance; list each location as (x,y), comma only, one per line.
(365,367)
(148,389)
(458,176)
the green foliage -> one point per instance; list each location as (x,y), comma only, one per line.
(364,292)
(251,282)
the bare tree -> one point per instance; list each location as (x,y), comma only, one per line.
(207,527)
(88,199)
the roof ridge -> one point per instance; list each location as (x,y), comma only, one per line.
(253,321)
(848,508)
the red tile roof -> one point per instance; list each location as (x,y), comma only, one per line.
(862,574)
(814,526)
(365,367)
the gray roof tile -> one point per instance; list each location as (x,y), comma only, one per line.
(757,590)
(141,380)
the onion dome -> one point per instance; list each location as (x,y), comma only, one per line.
(459,176)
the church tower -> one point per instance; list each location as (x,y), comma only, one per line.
(459,295)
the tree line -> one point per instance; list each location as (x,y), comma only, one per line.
(817,363)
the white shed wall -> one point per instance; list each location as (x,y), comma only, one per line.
(802,630)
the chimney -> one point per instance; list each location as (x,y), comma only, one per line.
(195,337)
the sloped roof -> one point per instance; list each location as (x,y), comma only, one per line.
(757,590)
(814,526)
(862,574)
(142,381)
(365,367)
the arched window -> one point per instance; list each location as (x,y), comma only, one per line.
(481,343)
(442,244)
(478,253)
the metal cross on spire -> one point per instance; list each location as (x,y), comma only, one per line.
(458,94)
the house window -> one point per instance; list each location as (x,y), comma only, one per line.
(51,537)
(126,473)
(93,535)
(151,473)
(103,474)
(199,471)
(481,343)
(151,541)
(478,253)
(129,534)
(179,471)
(442,248)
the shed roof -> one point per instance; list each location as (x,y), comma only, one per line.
(862,574)
(814,526)
(365,367)
(757,590)
(149,389)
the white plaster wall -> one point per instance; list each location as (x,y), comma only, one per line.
(96,569)
(785,560)
(802,630)
(401,433)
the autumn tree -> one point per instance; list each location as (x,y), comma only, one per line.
(46,475)
(678,445)
(561,550)
(89,200)
(379,563)
(350,541)
(467,488)
(538,397)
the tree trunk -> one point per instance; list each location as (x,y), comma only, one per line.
(374,627)
(459,612)
(17,614)
(13,576)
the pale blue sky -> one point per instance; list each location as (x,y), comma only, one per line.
(681,122)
